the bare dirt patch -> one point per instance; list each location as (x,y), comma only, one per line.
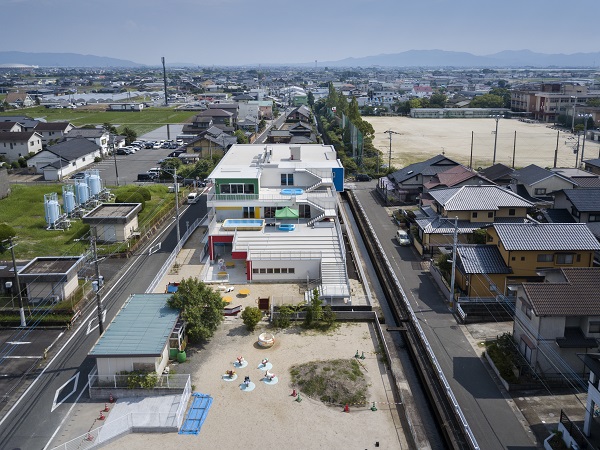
(421,139)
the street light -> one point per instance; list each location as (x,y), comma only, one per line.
(176,184)
(586,117)
(497,118)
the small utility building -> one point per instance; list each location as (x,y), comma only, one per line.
(113,222)
(51,278)
(138,336)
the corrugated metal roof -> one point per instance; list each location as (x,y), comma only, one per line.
(141,328)
(481,259)
(547,236)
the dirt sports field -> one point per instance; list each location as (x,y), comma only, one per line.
(421,139)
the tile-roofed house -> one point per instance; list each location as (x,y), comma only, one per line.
(301,114)
(475,207)
(546,237)
(582,178)
(558,316)
(583,205)
(64,158)
(454,177)
(409,180)
(27,123)
(592,165)
(98,136)
(498,173)
(541,183)
(14,145)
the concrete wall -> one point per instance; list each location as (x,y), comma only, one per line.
(43,290)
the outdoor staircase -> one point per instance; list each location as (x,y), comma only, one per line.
(324,179)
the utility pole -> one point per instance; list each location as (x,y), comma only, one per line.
(98,282)
(495,138)
(176,204)
(389,133)
(514,149)
(453,275)
(19,293)
(165,81)
(556,151)
(471,158)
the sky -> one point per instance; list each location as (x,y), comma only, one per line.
(251,32)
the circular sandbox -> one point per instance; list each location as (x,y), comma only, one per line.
(266,340)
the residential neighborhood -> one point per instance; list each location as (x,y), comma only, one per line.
(160,226)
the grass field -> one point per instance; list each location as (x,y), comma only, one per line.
(24,211)
(142,122)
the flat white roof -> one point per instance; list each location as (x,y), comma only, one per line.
(247,160)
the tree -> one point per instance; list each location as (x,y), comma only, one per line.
(314,311)
(201,308)
(504,93)
(437,100)
(593,102)
(241,137)
(251,315)
(487,101)
(310,99)
(109,127)
(130,135)
(6,232)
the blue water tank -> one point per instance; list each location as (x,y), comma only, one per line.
(52,211)
(82,193)
(69,201)
(94,184)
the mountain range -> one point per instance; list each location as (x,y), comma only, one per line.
(443,58)
(410,58)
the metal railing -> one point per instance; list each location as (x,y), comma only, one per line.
(167,265)
(284,255)
(174,382)
(417,325)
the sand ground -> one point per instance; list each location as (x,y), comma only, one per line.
(269,417)
(421,139)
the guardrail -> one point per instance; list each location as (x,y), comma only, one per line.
(167,265)
(416,326)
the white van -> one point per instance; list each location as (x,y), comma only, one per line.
(402,237)
(192,198)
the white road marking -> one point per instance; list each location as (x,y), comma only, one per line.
(21,357)
(18,343)
(90,328)
(58,391)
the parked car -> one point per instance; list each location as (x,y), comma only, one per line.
(175,154)
(362,177)
(123,151)
(402,237)
(78,176)
(146,177)
(149,144)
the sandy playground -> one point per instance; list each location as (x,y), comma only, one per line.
(268,416)
(421,139)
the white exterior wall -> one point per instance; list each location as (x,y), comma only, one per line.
(272,178)
(44,290)
(45,158)
(112,365)
(551,185)
(311,267)
(230,213)
(21,148)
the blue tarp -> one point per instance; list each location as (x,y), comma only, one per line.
(197,414)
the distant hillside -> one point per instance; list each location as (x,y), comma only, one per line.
(443,58)
(62,60)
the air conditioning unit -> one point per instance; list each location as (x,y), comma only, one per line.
(55,299)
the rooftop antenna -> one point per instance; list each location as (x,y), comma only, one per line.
(165,80)
(315,63)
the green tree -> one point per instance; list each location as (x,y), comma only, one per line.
(504,93)
(328,316)
(251,315)
(314,310)
(110,128)
(129,133)
(415,103)
(353,112)
(487,101)
(310,99)
(283,317)
(201,308)
(241,137)
(437,100)
(6,232)
(593,102)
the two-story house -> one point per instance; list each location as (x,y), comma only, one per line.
(275,213)
(408,181)
(14,145)
(62,159)
(557,318)
(475,207)
(582,204)
(98,136)
(538,185)
(53,132)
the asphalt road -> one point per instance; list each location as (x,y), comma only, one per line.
(275,125)
(32,421)
(489,415)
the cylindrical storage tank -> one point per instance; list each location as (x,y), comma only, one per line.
(69,202)
(94,184)
(82,192)
(181,357)
(52,211)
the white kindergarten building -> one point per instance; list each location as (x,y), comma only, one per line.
(275,215)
